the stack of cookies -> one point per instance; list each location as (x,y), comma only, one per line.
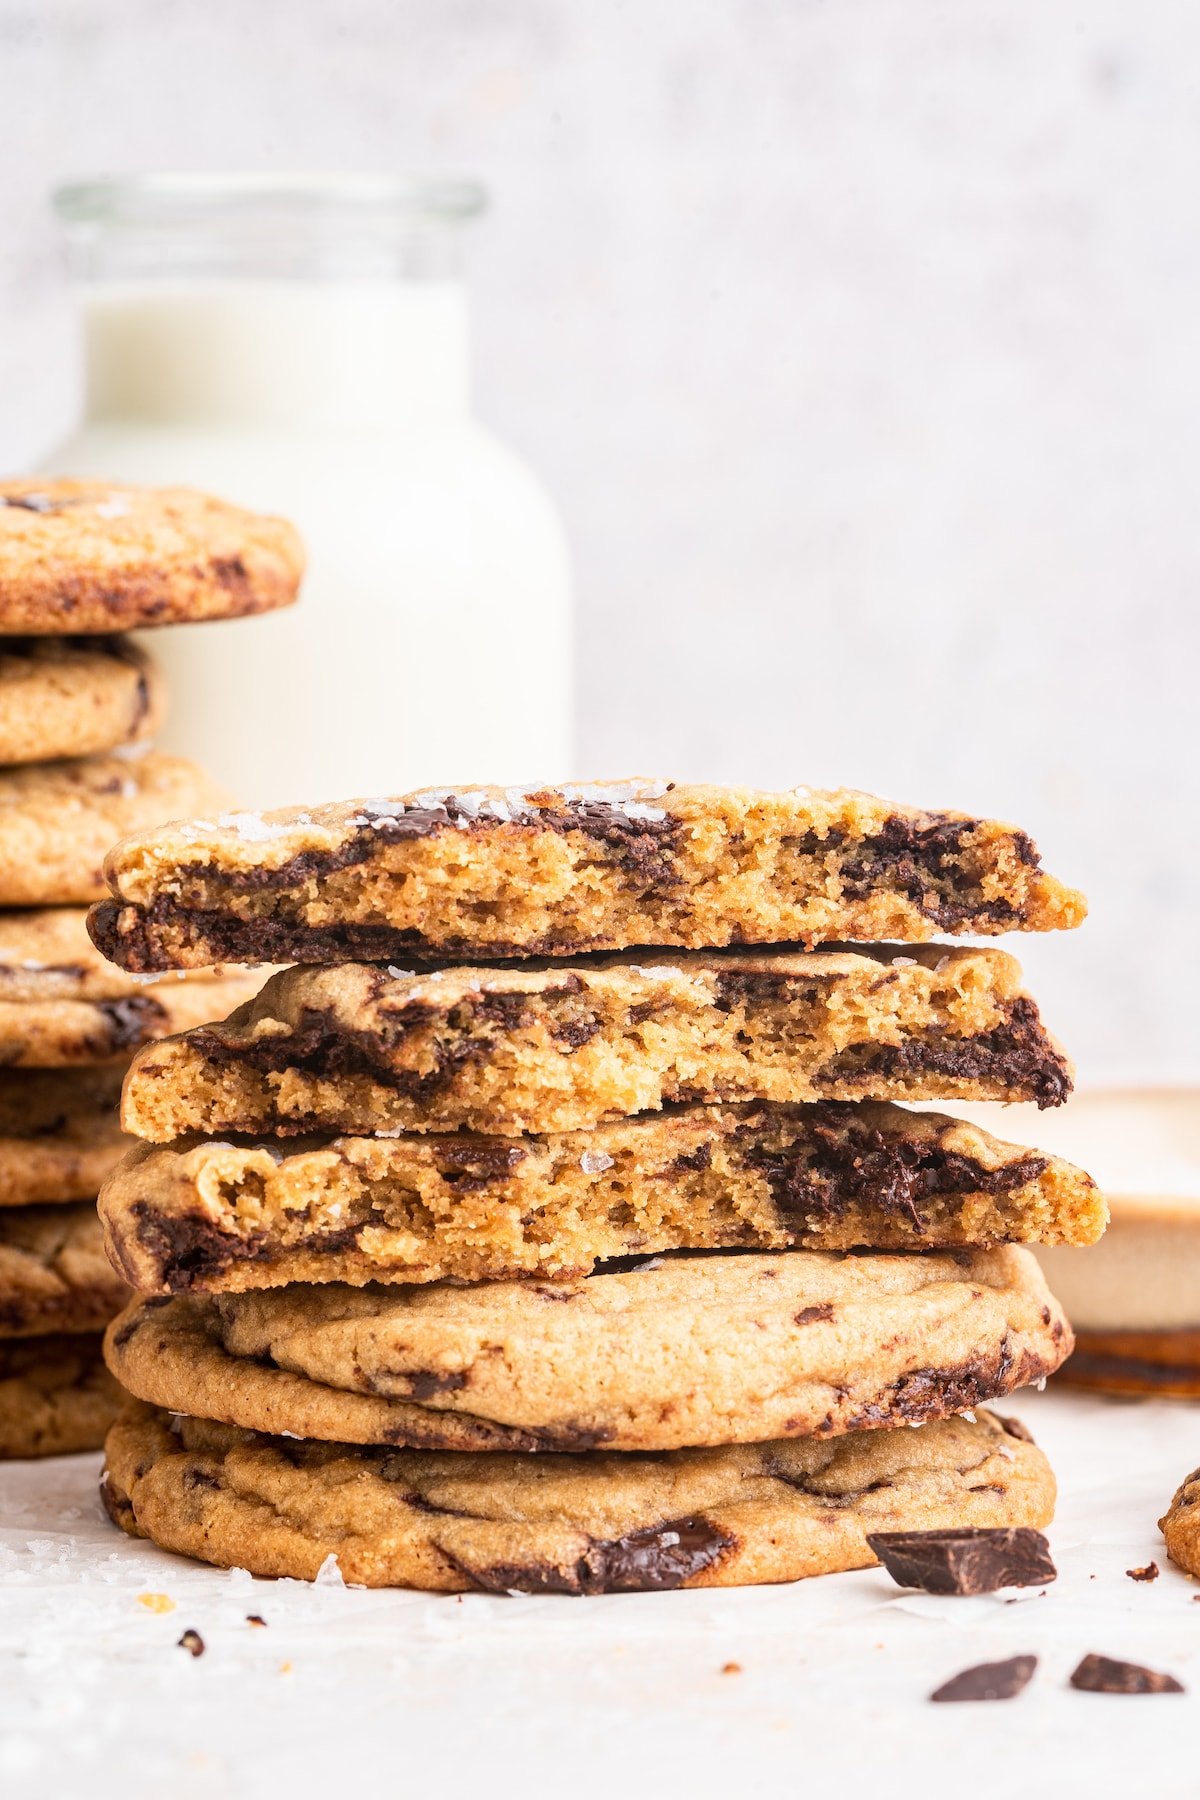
(79,702)
(479,1198)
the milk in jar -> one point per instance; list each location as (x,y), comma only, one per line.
(302,347)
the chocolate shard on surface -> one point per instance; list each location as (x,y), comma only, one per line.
(1149,1572)
(989,1681)
(964,1562)
(1109,1675)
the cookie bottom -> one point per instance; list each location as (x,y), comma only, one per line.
(1159,1364)
(597,1523)
(56,1396)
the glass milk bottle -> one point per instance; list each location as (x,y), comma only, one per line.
(301,347)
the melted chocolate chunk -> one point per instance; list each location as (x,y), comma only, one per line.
(931,864)
(653,1560)
(989,1681)
(641,847)
(1108,1675)
(692,1161)
(924,1394)
(838,1163)
(1014,1428)
(188,1251)
(572,1034)
(424,1383)
(1017,1056)
(318,1047)
(815,1315)
(964,1562)
(131,1021)
(755,988)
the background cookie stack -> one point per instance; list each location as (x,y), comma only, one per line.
(485,1230)
(78,704)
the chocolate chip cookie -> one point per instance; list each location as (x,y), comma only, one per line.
(56,1396)
(214,1215)
(57,820)
(59,1133)
(362,1049)
(94,556)
(75,696)
(674,1351)
(1180,1525)
(63,1006)
(494,873)
(593,1524)
(54,1275)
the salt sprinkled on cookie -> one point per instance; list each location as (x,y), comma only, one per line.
(252,828)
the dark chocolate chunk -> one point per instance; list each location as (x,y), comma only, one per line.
(664,1556)
(933,863)
(835,1161)
(131,1021)
(1149,1572)
(989,1681)
(424,1383)
(691,1161)
(653,1560)
(1108,1675)
(188,1250)
(964,1562)
(814,1315)
(1017,1054)
(192,1642)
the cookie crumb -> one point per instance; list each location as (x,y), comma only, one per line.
(731,1668)
(156,1603)
(285,1668)
(1148,1573)
(255,1619)
(192,1642)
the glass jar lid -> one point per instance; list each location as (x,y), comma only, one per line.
(311,225)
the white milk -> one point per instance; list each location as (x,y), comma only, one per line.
(431,641)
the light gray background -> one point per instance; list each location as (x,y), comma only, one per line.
(857,340)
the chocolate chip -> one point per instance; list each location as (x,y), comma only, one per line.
(814,1315)
(1147,1573)
(192,1642)
(964,1562)
(1108,1675)
(255,1619)
(989,1681)
(691,1161)
(424,1383)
